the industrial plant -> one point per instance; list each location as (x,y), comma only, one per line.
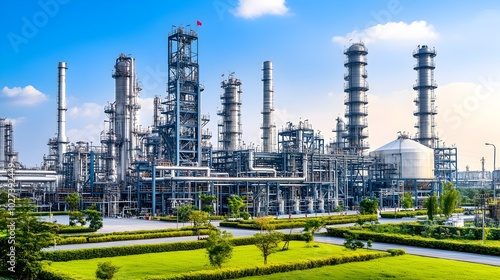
(154,170)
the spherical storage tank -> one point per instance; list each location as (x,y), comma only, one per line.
(417,160)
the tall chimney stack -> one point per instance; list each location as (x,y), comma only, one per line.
(61,115)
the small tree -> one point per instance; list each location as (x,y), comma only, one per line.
(94,218)
(407,201)
(449,199)
(265,223)
(352,243)
(368,206)
(311,227)
(27,234)
(268,242)
(106,270)
(75,218)
(184,211)
(207,201)
(219,248)
(73,200)
(199,219)
(235,204)
(431,204)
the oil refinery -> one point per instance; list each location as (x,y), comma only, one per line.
(154,170)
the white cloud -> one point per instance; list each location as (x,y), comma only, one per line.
(87,110)
(250,9)
(27,96)
(415,32)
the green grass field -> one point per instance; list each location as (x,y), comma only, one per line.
(170,263)
(406,267)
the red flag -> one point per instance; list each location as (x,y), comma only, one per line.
(198,23)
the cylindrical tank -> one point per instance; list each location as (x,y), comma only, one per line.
(356,101)
(410,159)
(296,206)
(425,100)
(310,205)
(321,206)
(268,126)
(281,204)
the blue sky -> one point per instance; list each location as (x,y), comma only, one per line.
(304,39)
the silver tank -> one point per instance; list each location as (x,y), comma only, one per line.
(268,126)
(356,101)
(230,134)
(424,86)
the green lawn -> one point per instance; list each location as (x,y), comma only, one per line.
(406,267)
(169,263)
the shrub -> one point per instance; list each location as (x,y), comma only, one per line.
(396,252)
(105,270)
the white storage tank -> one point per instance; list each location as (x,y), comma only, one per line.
(416,160)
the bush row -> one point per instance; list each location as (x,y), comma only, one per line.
(231,273)
(73,229)
(437,231)
(54,213)
(411,214)
(103,252)
(121,237)
(417,241)
(188,228)
(175,219)
(299,223)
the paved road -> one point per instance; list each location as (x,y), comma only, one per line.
(452,255)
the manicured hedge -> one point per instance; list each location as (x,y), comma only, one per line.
(73,229)
(54,213)
(102,252)
(417,241)
(174,219)
(411,214)
(300,222)
(231,273)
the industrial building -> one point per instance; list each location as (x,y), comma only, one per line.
(172,162)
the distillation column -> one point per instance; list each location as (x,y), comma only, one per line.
(230,128)
(62,141)
(125,114)
(340,133)
(425,99)
(356,100)
(268,125)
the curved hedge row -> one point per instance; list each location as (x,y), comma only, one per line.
(300,223)
(231,273)
(417,241)
(112,238)
(103,252)
(411,213)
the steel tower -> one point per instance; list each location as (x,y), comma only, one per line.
(268,126)
(181,134)
(425,99)
(356,100)
(230,127)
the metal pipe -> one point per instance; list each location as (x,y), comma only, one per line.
(252,168)
(61,116)
(30,179)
